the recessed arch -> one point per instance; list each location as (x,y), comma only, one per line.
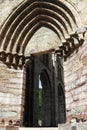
(53,95)
(35,28)
(59,16)
(46,98)
(44,19)
(45,78)
(45,34)
(27,21)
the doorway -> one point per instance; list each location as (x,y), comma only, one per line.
(40,104)
(46,99)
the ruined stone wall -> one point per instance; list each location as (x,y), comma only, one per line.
(76,73)
(76,83)
(11,80)
(11,83)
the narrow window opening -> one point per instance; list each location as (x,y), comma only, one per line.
(40,103)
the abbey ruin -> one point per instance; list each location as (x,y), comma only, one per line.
(43,41)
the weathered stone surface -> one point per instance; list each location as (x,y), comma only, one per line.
(8,128)
(46,37)
(73,126)
(12,81)
(77,87)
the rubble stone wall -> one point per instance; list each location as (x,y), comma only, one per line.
(11,85)
(76,84)
(11,80)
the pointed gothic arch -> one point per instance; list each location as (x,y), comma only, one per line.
(27,18)
(46,99)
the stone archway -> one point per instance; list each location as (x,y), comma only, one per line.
(31,107)
(53,99)
(21,25)
(27,21)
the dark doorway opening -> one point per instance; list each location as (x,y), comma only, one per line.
(61,105)
(28,101)
(40,102)
(46,99)
(40,108)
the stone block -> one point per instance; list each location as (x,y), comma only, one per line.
(81,81)
(8,128)
(16,80)
(11,128)
(73,128)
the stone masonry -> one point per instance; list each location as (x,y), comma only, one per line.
(61,27)
(11,87)
(76,84)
